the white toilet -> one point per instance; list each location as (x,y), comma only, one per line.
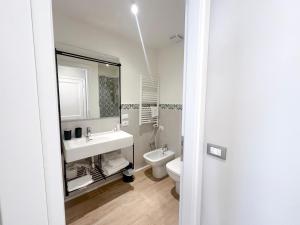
(158,159)
(174,170)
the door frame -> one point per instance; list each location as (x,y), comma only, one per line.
(194,94)
(194,91)
(44,50)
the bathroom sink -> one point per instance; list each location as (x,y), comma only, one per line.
(98,143)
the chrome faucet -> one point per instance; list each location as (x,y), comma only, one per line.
(164,148)
(88,133)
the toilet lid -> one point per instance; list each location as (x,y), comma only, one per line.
(175,166)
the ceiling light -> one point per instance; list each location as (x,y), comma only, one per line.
(134,9)
(107,65)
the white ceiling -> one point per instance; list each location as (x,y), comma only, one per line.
(159,19)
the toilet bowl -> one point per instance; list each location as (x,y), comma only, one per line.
(174,171)
(158,159)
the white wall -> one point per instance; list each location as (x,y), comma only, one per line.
(253,109)
(22,189)
(170,70)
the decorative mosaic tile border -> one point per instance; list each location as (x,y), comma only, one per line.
(130,106)
(171,106)
(162,106)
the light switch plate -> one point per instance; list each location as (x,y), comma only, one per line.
(216,151)
(124,116)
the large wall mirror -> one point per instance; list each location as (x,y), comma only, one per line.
(89,88)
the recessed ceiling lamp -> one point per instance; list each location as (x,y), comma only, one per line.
(134,9)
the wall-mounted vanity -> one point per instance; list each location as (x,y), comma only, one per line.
(90,89)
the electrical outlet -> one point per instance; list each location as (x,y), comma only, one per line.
(125,123)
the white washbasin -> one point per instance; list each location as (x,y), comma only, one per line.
(99,143)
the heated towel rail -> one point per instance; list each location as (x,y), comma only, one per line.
(149,100)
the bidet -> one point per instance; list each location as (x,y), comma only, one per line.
(158,159)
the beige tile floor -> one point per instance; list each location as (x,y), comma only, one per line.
(146,201)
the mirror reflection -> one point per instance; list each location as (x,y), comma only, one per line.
(87,89)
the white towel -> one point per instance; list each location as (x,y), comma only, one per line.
(79,182)
(154,111)
(115,162)
(109,170)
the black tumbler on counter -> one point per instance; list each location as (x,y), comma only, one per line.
(67,134)
(78,132)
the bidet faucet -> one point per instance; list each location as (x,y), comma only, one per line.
(88,133)
(164,148)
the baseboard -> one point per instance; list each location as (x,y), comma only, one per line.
(142,168)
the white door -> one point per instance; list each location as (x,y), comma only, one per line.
(72,96)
